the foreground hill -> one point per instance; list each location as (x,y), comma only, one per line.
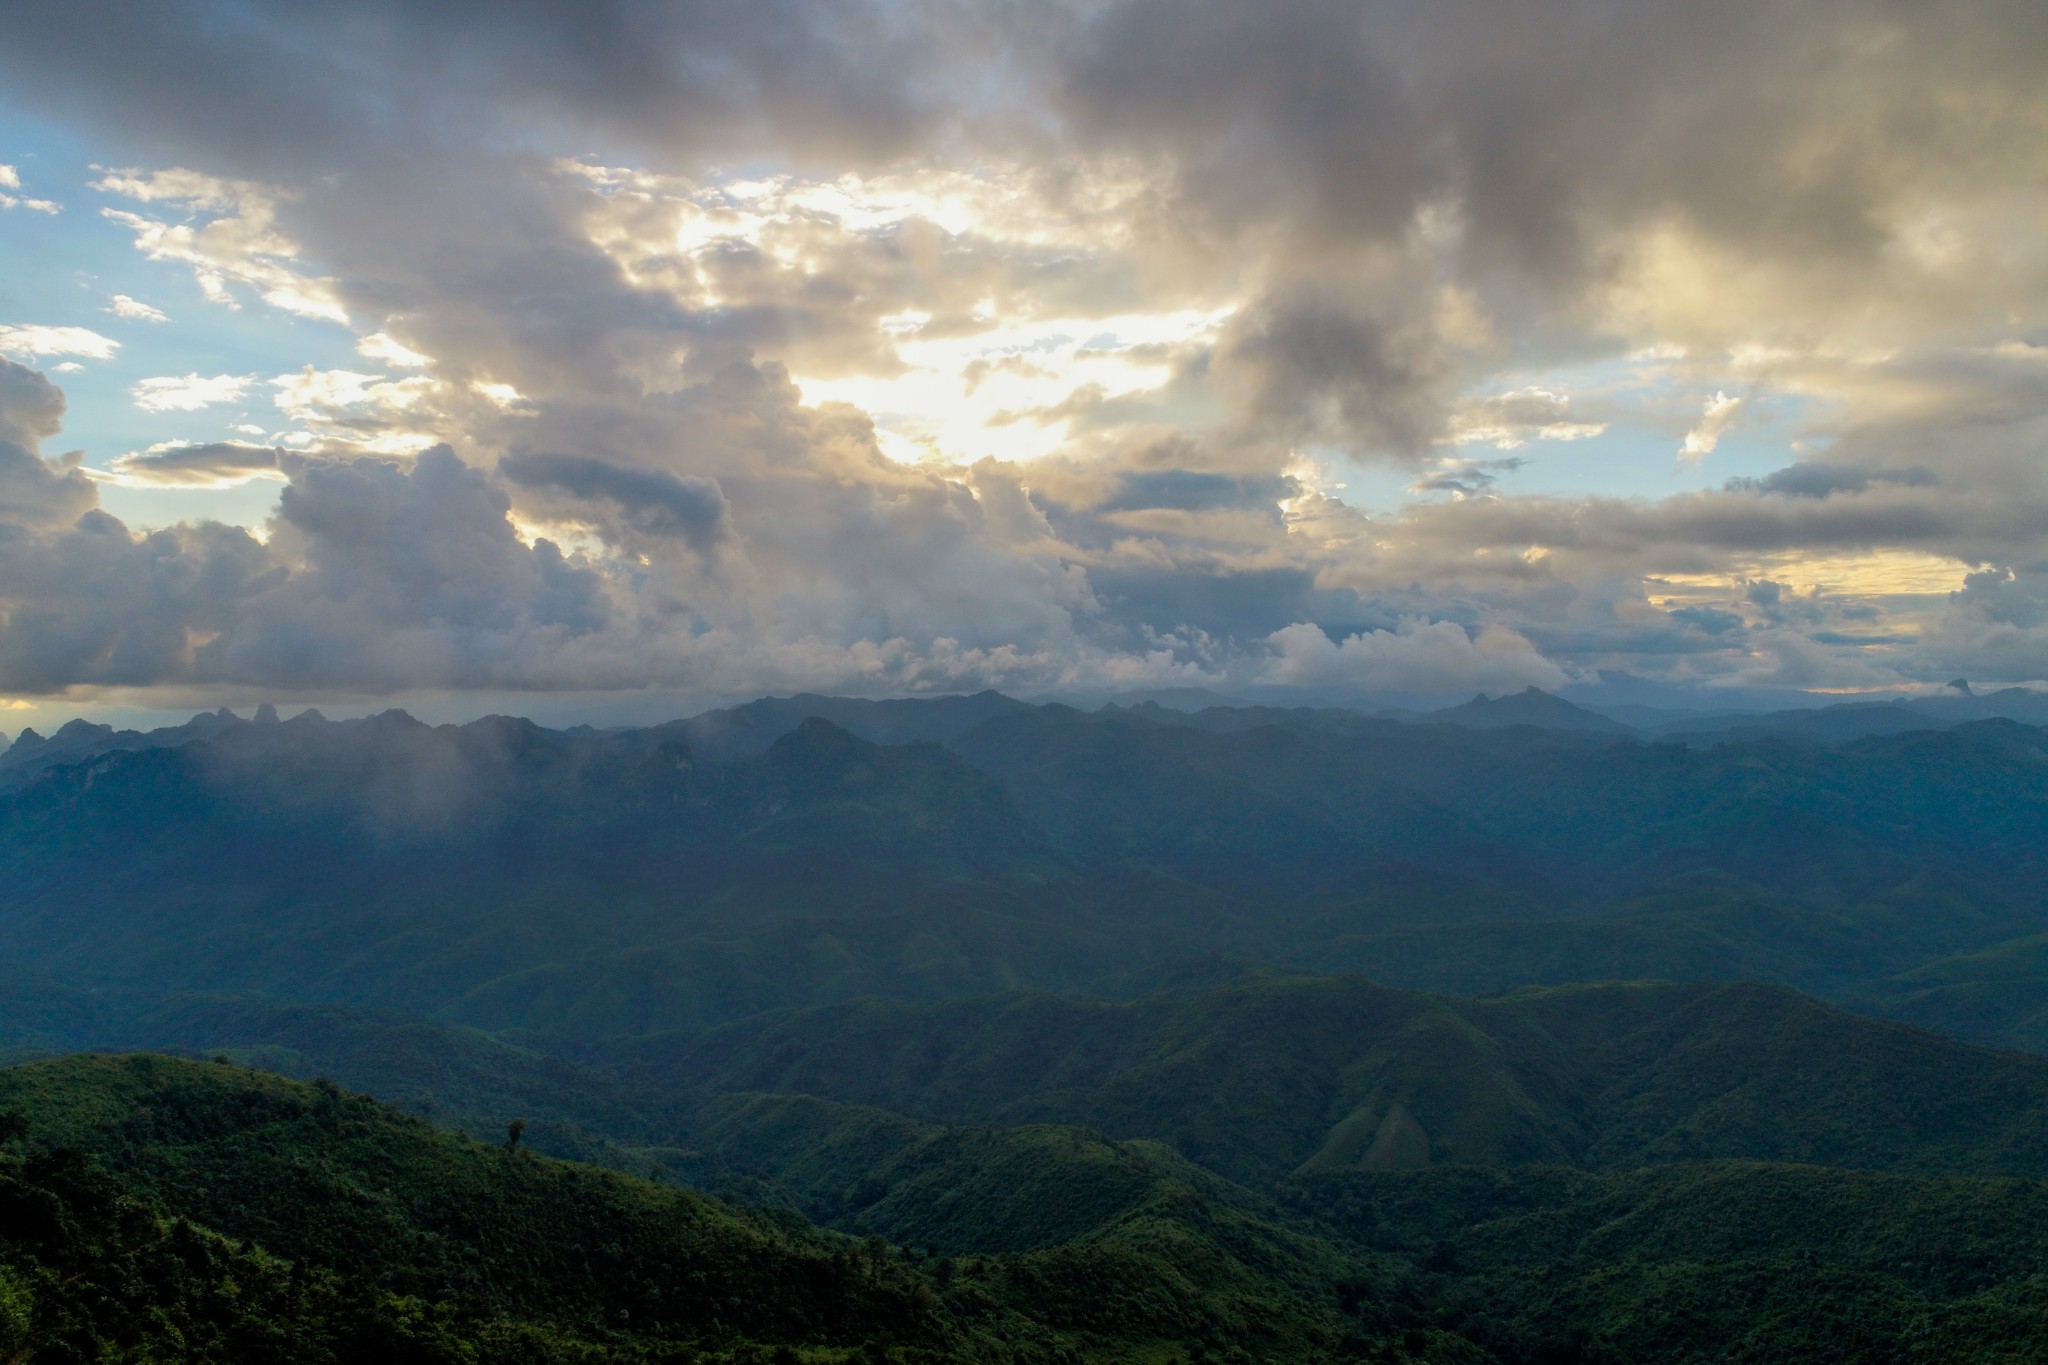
(470,1239)
(313,1174)
(1716,1261)
(233,1216)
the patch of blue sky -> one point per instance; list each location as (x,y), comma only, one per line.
(63,270)
(1646,411)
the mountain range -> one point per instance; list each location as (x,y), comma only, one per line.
(970,1029)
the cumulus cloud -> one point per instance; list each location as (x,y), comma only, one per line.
(652,502)
(211,464)
(188,393)
(1996,627)
(1717,414)
(1465,478)
(1820,479)
(382,346)
(241,245)
(371,412)
(135,310)
(1416,656)
(34,492)
(10,179)
(32,339)
(1508,421)
(31,407)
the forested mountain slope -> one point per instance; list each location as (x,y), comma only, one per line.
(600,883)
(1251,1034)
(1333,1073)
(198,1211)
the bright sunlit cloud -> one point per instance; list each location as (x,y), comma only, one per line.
(30,340)
(189,393)
(121,306)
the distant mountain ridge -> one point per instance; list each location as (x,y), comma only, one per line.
(730,733)
(1532,706)
(509,876)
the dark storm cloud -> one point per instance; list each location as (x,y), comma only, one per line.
(198,464)
(1192,490)
(272,88)
(1290,111)
(1225,603)
(1314,365)
(1467,478)
(1819,479)
(653,502)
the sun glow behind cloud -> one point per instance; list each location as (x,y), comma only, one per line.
(1011,374)
(1018,390)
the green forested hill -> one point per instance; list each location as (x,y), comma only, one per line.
(1260,1079)
(315,1174)
(459,1238)
(172,1210)
(1721,1261)
(1252,1080)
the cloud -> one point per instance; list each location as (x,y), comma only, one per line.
(1716,416)
(212,464)
(1995,628)
(371,412)
(188,393)
(10,179)
(1819,479)
(34,492)
(31,407)
(242,245)
(381,346)
(1416,656)
(653,502)
(405,576)
(1194,490)
(1508,421)
(1366,372)
(121,306)
(1217,260)
(1466,478)
(30,339)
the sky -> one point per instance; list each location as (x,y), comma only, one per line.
(584,357)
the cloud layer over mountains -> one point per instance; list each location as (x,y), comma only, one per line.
(876,346)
